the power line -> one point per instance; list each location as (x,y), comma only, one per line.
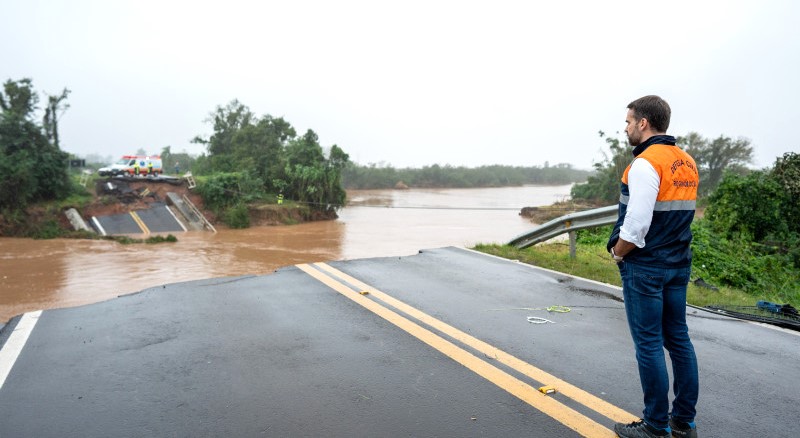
(410,207)
(423,207)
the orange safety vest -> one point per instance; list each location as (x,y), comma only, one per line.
(667,243)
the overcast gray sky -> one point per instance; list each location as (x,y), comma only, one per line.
(412,83)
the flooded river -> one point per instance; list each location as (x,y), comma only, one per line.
(44,274)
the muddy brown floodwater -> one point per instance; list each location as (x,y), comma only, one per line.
(45,274)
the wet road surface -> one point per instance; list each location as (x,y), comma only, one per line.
(435,344)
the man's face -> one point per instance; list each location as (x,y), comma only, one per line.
(632,129)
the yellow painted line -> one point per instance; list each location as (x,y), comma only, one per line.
(140,222)
(571,418)
(579,395)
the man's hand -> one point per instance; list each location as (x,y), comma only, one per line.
(621,249)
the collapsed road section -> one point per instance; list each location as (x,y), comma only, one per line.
(140,206)
(159,218)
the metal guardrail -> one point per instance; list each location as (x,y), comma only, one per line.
(200,215)
(568,224)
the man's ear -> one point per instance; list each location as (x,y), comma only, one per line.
(643,124)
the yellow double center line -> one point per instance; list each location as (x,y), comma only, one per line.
(140,223)
(546,404)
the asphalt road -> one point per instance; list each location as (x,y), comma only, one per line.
(156,219)
(433,345)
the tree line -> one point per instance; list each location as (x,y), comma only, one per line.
(713,157)
(375,176)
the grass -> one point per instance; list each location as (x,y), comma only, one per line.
(125,240)
(592,262)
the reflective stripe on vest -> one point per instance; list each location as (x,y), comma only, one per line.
(666,205)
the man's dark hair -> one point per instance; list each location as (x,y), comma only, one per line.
(654,109)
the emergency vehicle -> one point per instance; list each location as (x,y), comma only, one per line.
(127,166)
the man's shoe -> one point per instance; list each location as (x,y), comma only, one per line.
(639,429)
(682,430)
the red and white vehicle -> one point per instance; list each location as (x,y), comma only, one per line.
(127,166)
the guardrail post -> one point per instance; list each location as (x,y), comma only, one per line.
(573,243)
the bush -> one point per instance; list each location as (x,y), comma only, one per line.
(759,269)
(752,205)
(594,236)
(220,190)
(161,239)
(734,260)
(48,229)
(759,214)
(223,190)
(237,216)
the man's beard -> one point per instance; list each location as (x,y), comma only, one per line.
(634,142)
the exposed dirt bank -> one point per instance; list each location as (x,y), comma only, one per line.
(540,215)
(126,196)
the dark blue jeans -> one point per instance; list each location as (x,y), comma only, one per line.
(655,303)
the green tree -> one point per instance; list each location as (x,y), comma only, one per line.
(227,122)
(33,167)
(787,174)
(258,148)
(714,157)
(312,177)
(176,160)
(166,157)
(244,142)
(271,158)
(56,107)
(19,99)
(603,186)
(305,151)
(337,161)
(751,205)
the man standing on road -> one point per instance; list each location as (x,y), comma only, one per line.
(650,244)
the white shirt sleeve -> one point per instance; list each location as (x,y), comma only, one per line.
(643,185)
